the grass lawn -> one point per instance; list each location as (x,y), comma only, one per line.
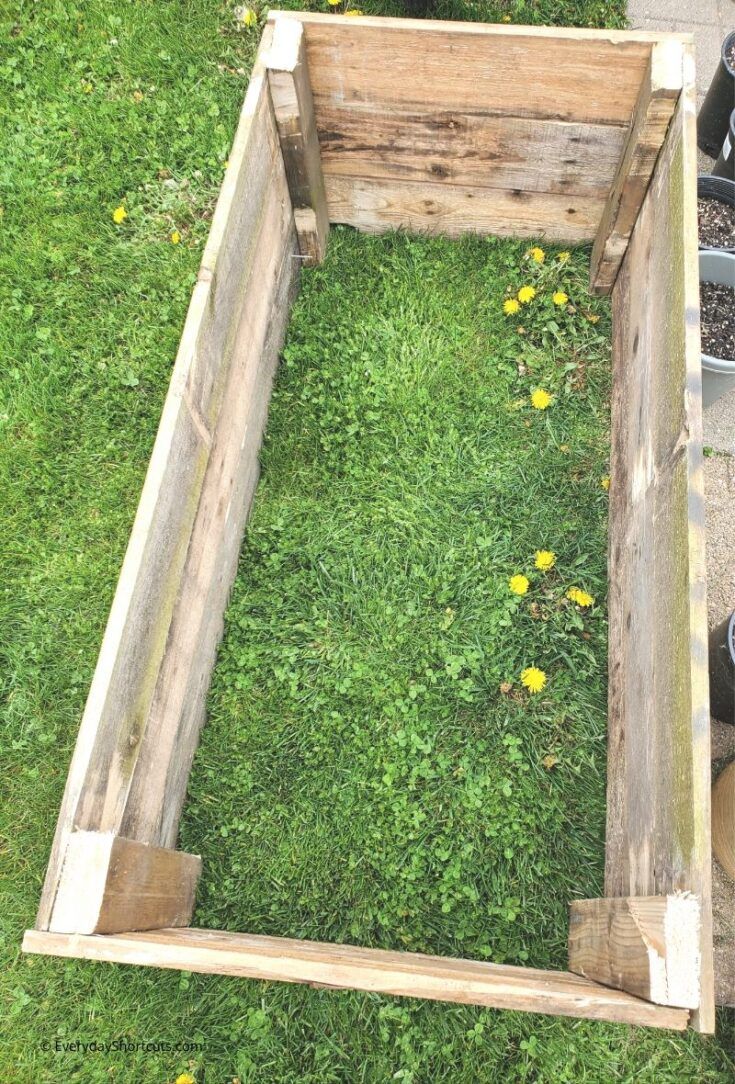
(135,106)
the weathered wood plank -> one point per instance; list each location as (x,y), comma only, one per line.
(658,816)
(385,63)
(288,77)
(113,885)
(228,315)
(377,206)
(467,982)
(158,787)
(655,105)
(648,946)
(473,149)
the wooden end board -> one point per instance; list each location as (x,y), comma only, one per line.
(438,126)
(657,99)
(466,982)
(658,804)
(140,725)
(113,885)
(648,946)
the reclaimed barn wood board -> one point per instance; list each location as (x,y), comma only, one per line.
(246,257)
(377,206)
(657,99)
(113,885)
(466,982)
(472,149)
(648,946)
(658,812)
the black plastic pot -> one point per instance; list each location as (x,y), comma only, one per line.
(722,671)
(725,164)
(721,189)
(714,115)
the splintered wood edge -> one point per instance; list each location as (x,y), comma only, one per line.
(403,974)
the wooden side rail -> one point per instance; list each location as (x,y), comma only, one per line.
(406,974)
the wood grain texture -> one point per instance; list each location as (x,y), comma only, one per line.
(377,206)
(113,885)
(471,149)
(658,818)
(648,946)
(293,105)
(403,104)
(657,99)
(723,819)
(194,499)
(406,974)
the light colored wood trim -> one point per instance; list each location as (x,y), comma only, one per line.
(653,111)
(658,800)
(293,105)
(123,748)
(723,819)
(406,974)
(113,885)
(648,946)
(553,33)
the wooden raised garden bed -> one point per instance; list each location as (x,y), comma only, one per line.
(442,128)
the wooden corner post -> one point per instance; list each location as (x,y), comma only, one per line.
(653,111)
(293,105)
(648,946)
(113,885)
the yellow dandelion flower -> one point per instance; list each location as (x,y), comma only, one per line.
(175,237)
(248,17)
(593,319)
(563,257)
(560,298)
(505,19)
(119,215)
(545,560)
(575,594)
(334,3)
(185,1078)
(534,679)
(605,482)
(511,306)
(353,11)
(518,584)
(540,399)
(526,294)
(537,255)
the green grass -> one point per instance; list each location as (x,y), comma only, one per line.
(102,105)
(363,777)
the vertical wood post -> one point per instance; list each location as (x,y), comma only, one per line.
(657,99)
(288,77)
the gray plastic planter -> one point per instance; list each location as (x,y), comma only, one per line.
(718,374)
